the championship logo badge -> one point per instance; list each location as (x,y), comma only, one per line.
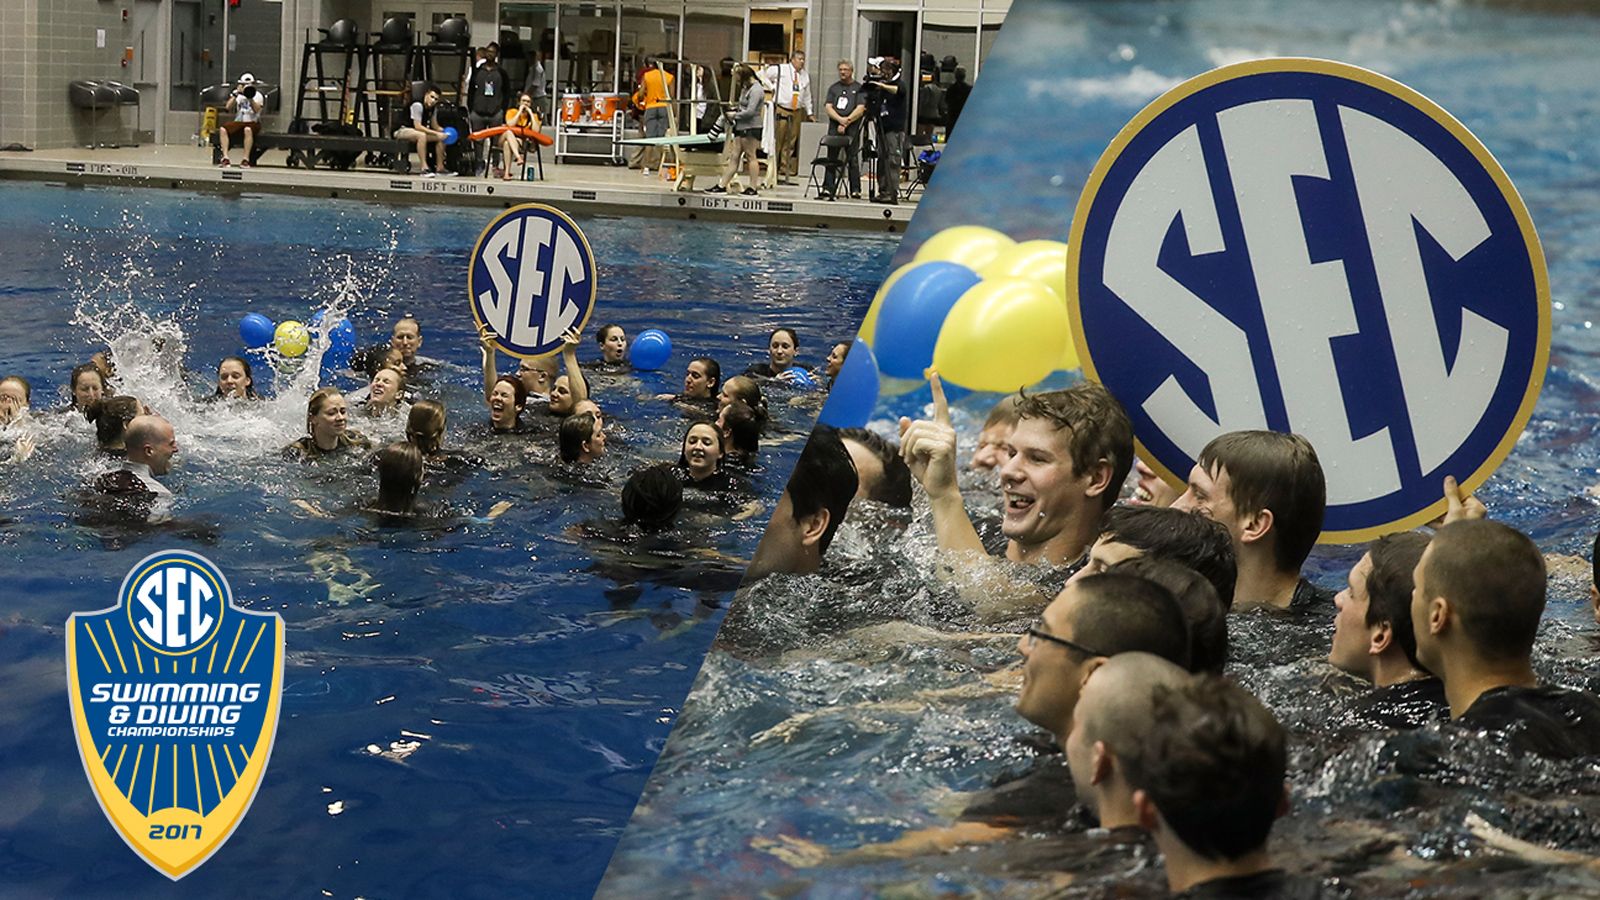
(1303,245)
(174,696)
(531,278)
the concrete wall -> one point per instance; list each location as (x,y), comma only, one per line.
(44,45)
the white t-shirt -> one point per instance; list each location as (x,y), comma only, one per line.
(247,109)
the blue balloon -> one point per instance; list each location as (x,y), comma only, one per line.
(913,312)
(798,377)
(855,390)
(451,135)
(650,350)
(256,330)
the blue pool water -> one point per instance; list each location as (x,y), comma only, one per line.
(782,765)
(470,708)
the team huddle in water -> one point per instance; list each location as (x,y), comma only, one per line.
(550,401)
(1125,611)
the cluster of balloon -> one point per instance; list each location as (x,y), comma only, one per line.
(855,390)
(989,313)
(291,338)
(650,350)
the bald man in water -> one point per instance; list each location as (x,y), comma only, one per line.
(1115,715)
(133,490)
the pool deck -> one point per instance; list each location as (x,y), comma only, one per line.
(571,187)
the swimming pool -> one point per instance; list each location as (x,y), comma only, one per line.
(785,763)
(470,708)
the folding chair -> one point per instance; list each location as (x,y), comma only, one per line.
(835,165)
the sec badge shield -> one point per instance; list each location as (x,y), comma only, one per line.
(174,694)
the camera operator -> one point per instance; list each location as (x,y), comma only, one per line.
(887,85)
(246,103)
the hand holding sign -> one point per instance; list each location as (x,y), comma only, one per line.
(929,448)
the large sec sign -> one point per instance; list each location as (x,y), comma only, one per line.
(1302,245)
(531,278)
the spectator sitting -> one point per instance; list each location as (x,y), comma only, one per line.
(423,128)
(246,103)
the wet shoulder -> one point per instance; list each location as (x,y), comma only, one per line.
(1407,705)
(1041,797)
(1546,721)
(1308,599)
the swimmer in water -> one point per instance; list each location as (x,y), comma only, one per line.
(835,362)
(741,434)
(1150,489)
(327,415)
(557,396)
(782,345)
(810,510)
(743,388)
(400,468)
(15,393)
(88,387)
(235,379)
(133,490)
(700,463)
(581,438)
(652,498)
(702,380)
(1268,490)
(613,343)
(111,419)
(384,393)
(507,399)
(992,453)
(1373,638)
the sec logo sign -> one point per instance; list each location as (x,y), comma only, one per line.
(1307,246)
(531,278)
(174,696)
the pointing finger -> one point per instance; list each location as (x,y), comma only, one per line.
(941,406)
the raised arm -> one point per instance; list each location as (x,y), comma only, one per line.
(929,449)
(569,362)
(487,345)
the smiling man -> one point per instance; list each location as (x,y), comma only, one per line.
(1064,462)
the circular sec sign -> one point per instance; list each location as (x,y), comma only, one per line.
(531,279)
(1302,245)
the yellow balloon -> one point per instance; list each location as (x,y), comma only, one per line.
(291,338)
(973,246)
(1003,334)
(869,325)
(1041,261)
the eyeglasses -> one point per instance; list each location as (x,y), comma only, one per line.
(1035,636)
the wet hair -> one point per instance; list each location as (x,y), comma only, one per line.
(823,478)
(744,428)
(1275,471)
(1121,613)
(399,476)
(111,417)
(1097,425)
(1183,537)
(600,336)
(741,387)
(722,446)
(894,488)
(794,338)
(1594,560)
(652,497)
(319,399)
(519,389)
(1389,587)
(27,389)
(575,431)
(713,372)
(425,425)
(1003,413)
(1205,613)
(1214,768)
(249,376)
(1494,578)
(136,434)
(86,369)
